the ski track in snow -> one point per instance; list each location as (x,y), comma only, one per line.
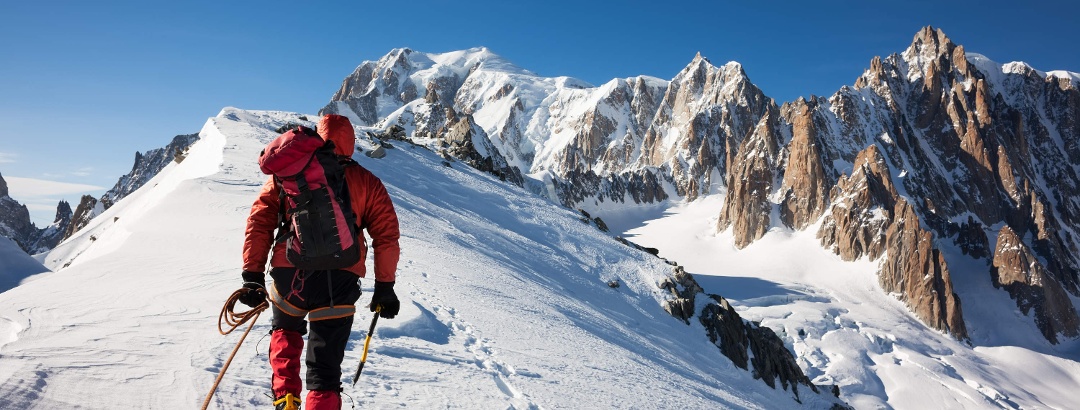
(504,302)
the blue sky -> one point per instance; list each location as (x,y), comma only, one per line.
(85,84)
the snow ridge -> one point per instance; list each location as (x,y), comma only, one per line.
(505,301)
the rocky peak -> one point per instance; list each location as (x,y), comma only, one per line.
(63,212)
(145,167)
(400,56)
(931,51)
(704,116)
(873,76)
(1036,292)
(359,93)
(3,187)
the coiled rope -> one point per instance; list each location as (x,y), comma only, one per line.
(233,320)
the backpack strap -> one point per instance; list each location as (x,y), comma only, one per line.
(283,228)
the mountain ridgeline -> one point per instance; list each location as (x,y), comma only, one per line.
(146,166)
(934,158)
(15,221)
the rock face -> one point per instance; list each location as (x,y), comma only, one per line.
(146,166)
(15,224)
(805,187)
(747,209)
(871,219)
(929,149)
(748,345)
(917,272)
(856,226)
(51,235)
(1018,271)
(88,208)
(706,111)
(15,219)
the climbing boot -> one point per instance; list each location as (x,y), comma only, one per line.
(287,402)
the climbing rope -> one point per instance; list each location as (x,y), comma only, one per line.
(234,320)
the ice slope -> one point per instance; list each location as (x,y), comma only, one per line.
(504,302)
(846,330)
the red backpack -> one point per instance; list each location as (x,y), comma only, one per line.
(316,219)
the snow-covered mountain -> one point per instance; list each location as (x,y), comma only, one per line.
(922,165)
(509,301)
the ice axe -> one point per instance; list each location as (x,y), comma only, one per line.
(367,342)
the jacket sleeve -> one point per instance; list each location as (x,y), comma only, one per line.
(380,220)
(261,223)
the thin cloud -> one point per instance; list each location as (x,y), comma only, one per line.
(83,172)
(33,187)
(7,157)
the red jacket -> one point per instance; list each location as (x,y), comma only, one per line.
(372,205)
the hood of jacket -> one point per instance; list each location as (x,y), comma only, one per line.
(339,130)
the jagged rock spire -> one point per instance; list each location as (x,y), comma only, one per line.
(63,212)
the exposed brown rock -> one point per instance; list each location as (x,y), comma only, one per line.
(959,60)
(805,186)
(684,289)
(870,219)
(747,209)
(916,272)
(873,75)
(1035,291)
(431,95)
(84,212)
(1007,177)
(856,225)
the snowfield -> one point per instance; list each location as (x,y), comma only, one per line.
(505,303)
(846,330)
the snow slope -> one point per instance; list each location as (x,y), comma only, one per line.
(846,330)
(15,265)
(505,302)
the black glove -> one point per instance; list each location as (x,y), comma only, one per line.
(385,299)
(253,282)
